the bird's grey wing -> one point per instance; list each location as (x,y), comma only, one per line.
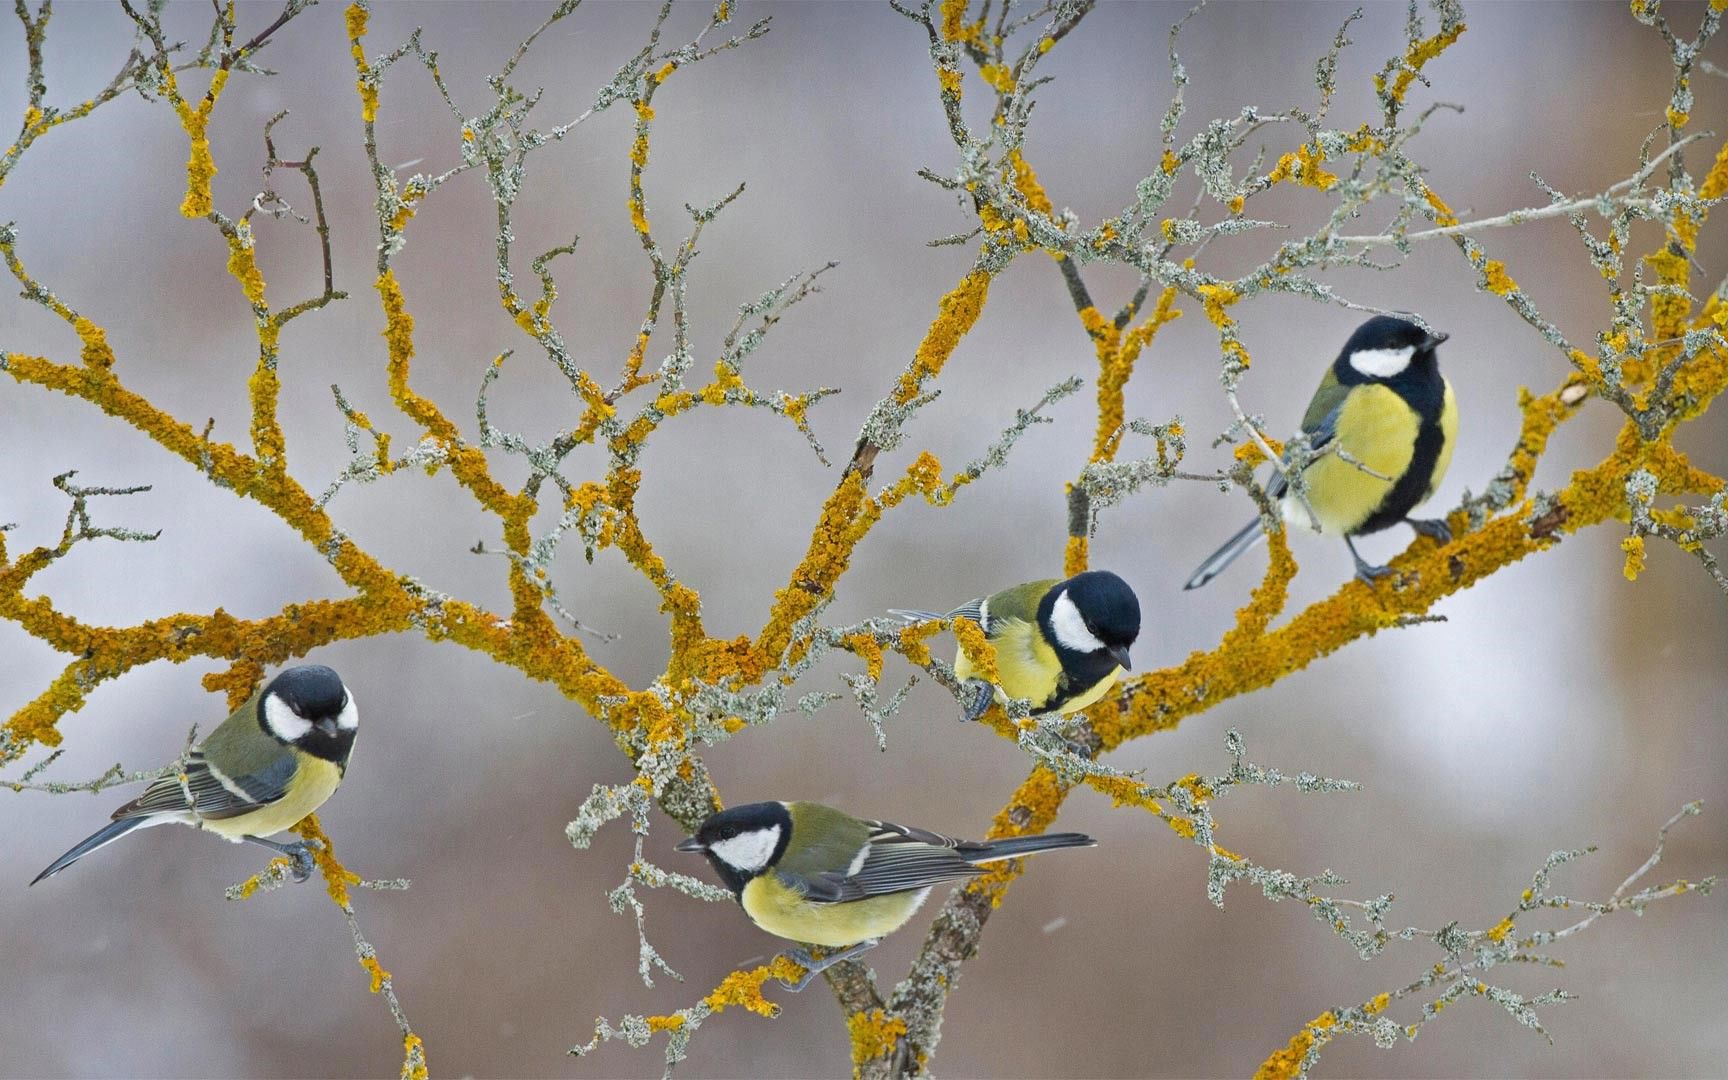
(896,859)
(886,832)
(971,609)
(213,793)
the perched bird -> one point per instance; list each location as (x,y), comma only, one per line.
(813,874)
(272,762)
(1060,644)
(1382,427)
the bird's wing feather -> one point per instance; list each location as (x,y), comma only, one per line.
(214,794)
(897,859)
(972,609)
(1323,407)
(1319,435)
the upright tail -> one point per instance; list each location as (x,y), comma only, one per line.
(1013,847)
(104,836)
(1214,565)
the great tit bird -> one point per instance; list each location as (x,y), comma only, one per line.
(814,874)
(1383,424)
(272,762)
(1060,644)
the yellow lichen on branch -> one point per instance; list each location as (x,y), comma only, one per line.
(744,988)
(954,20)
(1633,546)
(847,517)
(376,971)
(265,387)
(200,163)
(1116,357)
(958,311)
(978,650)
(1026,183)
(874,1034)
(414,1065)
(356,17)
(1076,551)
(1417,55)
(1286,1062)
(337,877)
(1304,167)
(467,463)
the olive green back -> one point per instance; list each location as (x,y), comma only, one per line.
(1330,395)
(823,839)
(240,747)
(1021,601)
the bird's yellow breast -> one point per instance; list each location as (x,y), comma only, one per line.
(784,912)
(1030,668)
(314,782)
(1378,429)
(1028,665)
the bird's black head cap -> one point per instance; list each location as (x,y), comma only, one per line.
(743,842)
(311,690)
(1090,620)
(310,707)
(1388,349)
(1111,609)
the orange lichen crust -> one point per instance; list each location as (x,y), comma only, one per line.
(1286,1062)
(959,310)
(744,989)
(874,1034)
(414,1065)
(356,16)
(1116,356)
(1417,55)
(1075,553)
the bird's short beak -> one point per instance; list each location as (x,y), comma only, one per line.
(1119,653)
(691,845)
(327,725)
(1436,338)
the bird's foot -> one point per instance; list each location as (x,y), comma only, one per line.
(301,856)
(298,854)
(1433,528)
(1364,569)
(1370,574)
(813,966)
(982,693)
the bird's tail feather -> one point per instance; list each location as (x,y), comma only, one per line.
(1015,846)
(104,836)
(1214,565)
(909,615)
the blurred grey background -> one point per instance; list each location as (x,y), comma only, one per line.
(1559,706)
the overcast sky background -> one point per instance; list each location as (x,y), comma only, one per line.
(1559,706)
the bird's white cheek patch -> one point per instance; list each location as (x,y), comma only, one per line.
(748,851)
(1070,628)
(349,718)
(284,722)
(1382,363)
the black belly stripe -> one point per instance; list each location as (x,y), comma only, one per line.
(1414,484)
